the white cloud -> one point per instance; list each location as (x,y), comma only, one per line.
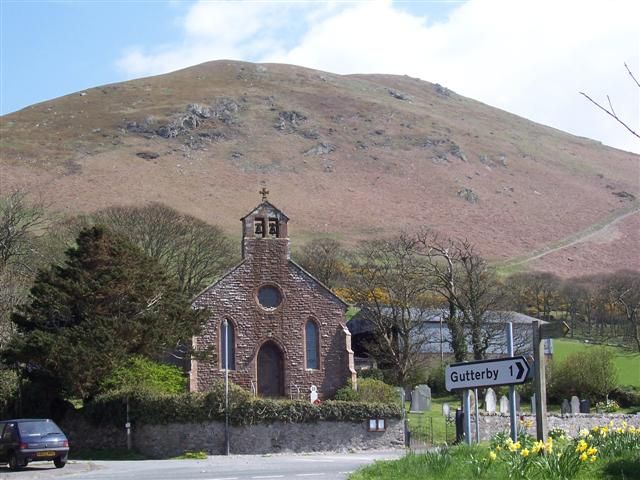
(530,58)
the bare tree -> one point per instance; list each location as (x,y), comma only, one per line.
(324,258)
(19,222)
(625,291)
(610,110)
(193,251)
(469,285)
(388,283)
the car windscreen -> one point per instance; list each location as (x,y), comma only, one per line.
(41,428)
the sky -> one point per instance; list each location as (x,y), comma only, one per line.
(531,58)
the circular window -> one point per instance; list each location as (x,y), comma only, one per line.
(269,297)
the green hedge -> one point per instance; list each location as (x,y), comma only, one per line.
(244,409)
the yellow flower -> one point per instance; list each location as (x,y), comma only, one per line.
(498,448)
(582,446)
(595,429)
(517,445)
(611,423)
(492,456)
(593,459)
(583,433)
(512,447)
(583,457)
(592,451)
(525,452)
(537,447)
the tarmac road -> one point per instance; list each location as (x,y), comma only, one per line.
(313,466)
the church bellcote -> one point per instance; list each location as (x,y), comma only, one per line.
(264,230)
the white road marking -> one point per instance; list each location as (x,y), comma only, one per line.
(309,474)
(268,476)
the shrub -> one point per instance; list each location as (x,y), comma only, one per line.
(376,391)
(587,374)
(143,373)
(374,373)
(153,408)
(626,397)
(436,380)
(369,391)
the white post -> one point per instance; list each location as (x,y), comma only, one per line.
(226,386)
(512,388)
(466,407)
(475,393)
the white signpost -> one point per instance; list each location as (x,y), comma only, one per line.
(486,373)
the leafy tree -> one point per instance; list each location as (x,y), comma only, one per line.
(107,302)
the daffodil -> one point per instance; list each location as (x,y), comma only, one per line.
(582,446)
(592,451)
(492,456)
(583,456)
(525,452)
(592,459)
(583,433)
(537,447)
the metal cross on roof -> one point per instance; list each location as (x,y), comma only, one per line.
(264,192)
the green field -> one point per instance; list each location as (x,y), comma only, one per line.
(627,363)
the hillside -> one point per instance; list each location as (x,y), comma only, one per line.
(353,157)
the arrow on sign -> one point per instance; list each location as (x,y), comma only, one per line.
(486,373)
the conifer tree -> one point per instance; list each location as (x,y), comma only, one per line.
(109,301)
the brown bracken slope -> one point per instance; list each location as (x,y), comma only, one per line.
(352,157)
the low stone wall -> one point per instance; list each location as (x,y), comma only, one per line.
(490,424)
(161,441)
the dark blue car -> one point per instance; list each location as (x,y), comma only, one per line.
(25,440)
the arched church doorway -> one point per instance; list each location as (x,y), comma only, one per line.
(270,370)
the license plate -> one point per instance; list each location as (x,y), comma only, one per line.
(46,454)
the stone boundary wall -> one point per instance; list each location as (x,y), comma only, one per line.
(490,424)
(162,441)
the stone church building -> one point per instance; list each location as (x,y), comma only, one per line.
(284,329)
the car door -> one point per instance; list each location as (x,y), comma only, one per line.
(3,442)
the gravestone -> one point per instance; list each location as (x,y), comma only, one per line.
(472,401)
(565,407)
(533,404)
(446,410)
(313,396)
(421,398)
(504,404)
(575,404)
(585,406)
(490,401)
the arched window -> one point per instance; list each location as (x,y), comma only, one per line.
(227,345)
(312,336)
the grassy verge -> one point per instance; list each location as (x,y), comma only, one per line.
(465,462)
(604,452)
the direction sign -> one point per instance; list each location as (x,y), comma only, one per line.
(486,373)
(554,330)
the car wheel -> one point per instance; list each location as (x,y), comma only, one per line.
(59,462)
(14,463)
